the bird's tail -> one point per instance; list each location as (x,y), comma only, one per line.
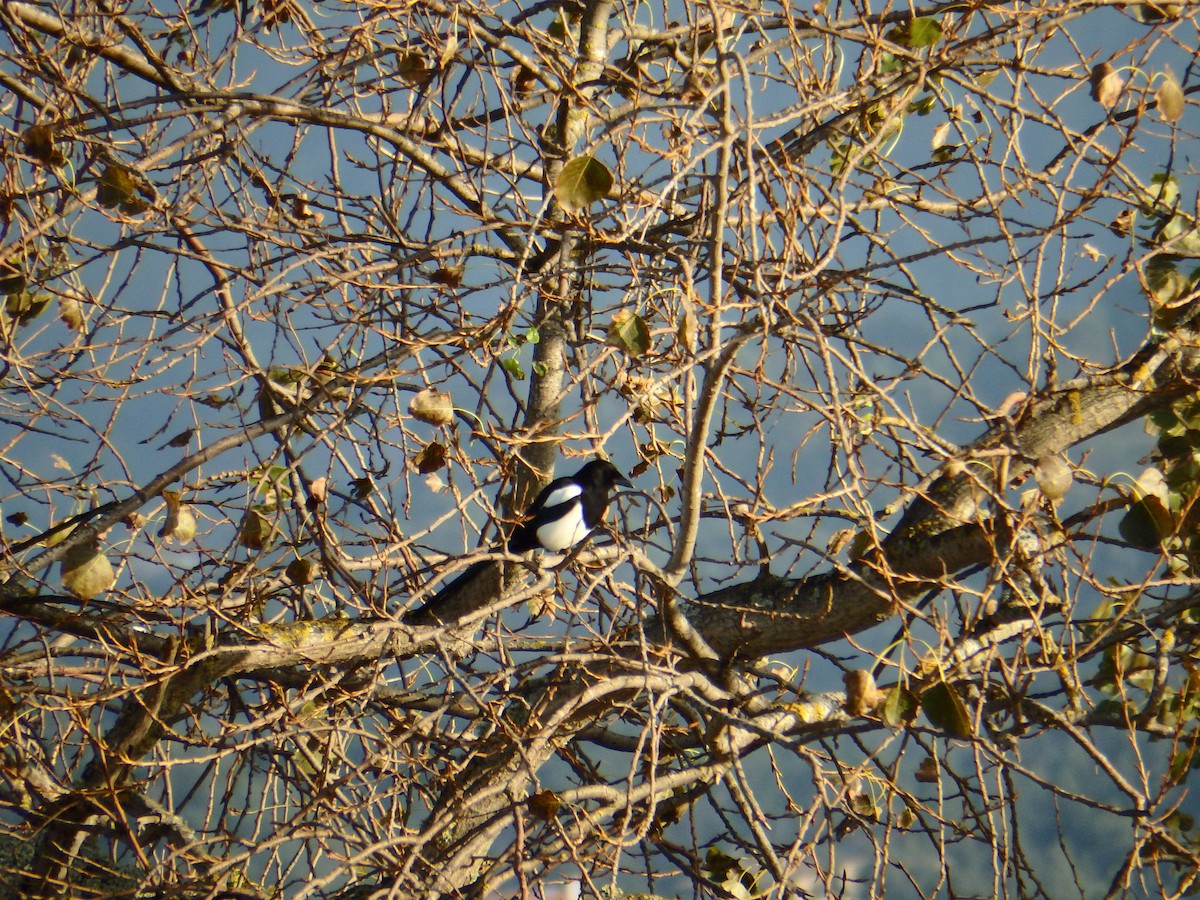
(476,587)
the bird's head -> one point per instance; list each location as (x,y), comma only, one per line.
(602,474)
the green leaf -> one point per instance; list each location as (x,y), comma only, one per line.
(1150,13)
(629,332)
(12,279)
(118,187)
(945,710)
(889,62)
(1165,422)
(1182,761)
(899,707)
(513,367)
(1182,236)
(25,306)
(1145,523)
(287,376)
(256,530)
(1167,284)
(582,181)
(923,105)
(1159,199)
(916,34)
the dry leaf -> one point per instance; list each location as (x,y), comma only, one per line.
(927,772)
(1170,98)
(862,695)
(431,458)
(301,571)
(432,406)
(180,524)
(1054,477)
(1106,85)
(71,313)
(318,490)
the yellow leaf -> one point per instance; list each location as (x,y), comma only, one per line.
(582,181)
(1170,98)
(86,572)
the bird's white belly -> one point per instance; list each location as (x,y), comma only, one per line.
(563,533)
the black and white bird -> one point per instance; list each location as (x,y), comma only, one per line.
(568,509)
(564,514)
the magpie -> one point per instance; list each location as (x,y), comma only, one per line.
(564,513)
(568,509)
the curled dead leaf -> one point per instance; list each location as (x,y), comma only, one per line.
(432,406)
(1106,84)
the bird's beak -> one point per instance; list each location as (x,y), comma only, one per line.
(621,479)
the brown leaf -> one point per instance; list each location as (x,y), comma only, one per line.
(119,187)
(180,440)
(412,68)
(39,143)
(431,458)
(862,696)
(523,81)
(301,571)
(450,276)
(1122,225)
(927,772)
(544,804)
